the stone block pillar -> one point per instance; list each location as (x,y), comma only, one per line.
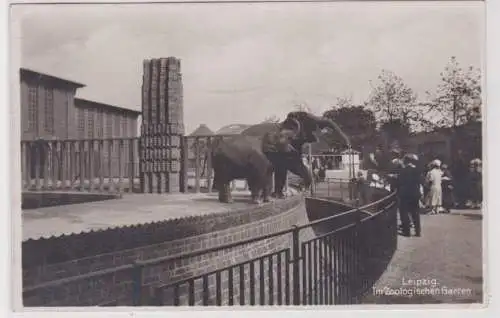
(162,126)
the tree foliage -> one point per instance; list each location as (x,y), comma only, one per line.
(393,101)
(457,99)
(357,122)
(394,133)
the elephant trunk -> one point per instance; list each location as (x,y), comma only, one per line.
(303,172)
(324,122)
(310,123)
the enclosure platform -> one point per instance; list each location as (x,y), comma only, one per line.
(131,209)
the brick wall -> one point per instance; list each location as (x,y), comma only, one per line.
(117,286)
(212,278)
(64,249)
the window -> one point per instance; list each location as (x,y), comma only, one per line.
(32,108)
(66,113)
(116,126)
(109,125)
(98,124)
(81,123)
(132,127)
(124,120)
(49,110)
(90,123)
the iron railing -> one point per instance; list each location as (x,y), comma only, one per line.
(347,253)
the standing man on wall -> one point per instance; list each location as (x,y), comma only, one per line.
(409,195)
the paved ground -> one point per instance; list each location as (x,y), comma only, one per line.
(447,259)
(129,210)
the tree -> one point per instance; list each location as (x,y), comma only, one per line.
(392,100)
(394,133)
(458,97)
(357,122)
(395,107)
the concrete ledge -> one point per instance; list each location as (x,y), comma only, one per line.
(267,219)
(51,253)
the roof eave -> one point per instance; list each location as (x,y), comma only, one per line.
(97,104)
(24,72)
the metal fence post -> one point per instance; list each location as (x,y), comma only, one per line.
(137,284)
(296,265)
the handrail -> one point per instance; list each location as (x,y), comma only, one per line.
(72,279)
(343,213)
(185,280)
(340,229)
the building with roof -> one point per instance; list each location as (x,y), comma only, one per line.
(96,120)
(202,130)
(51,110)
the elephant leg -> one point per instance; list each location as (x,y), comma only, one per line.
(222,193)
(225,192)
(251,185)
(215,185)
(228,193)
(279,181)
(256,197)
(267,189)
(254,189)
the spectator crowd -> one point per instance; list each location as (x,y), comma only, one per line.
(433,187)
(430,187)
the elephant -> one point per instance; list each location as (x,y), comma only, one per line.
(309,126)
(242,157)
(256,154)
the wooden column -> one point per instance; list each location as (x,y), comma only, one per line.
(120,165)
(100,149)
(197,164)
(131,174)
(209,164)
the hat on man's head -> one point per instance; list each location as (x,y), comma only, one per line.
(411,157)
(475,161)
(397,162)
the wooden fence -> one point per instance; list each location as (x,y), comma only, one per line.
(110,165)
(87,164)
(198,163)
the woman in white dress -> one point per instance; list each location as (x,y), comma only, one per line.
(434,179)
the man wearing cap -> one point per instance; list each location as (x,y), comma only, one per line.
(409,195)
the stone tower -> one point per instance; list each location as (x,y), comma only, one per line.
(162,125)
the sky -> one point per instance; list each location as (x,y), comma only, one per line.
(242,63)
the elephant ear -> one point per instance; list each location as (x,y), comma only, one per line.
(292,124)
(308,126)
(285,140)
(280,140)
